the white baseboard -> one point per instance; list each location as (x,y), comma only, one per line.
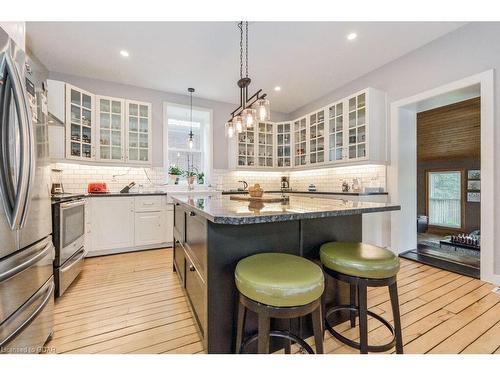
(127,250)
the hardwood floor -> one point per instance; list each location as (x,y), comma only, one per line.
(133,303)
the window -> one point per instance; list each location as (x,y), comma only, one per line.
(176,149)
(445,198)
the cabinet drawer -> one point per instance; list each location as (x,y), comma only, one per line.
(196,240)
(179,222)
(196,291)
(148,203)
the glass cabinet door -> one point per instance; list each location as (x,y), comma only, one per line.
(138,131)
(336,132)
(111,124)
(300,144)
(283,144)
(80,109)
(246,148)
(357,127)
(317,137)
(265,148)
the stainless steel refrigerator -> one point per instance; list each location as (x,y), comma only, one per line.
(26,249)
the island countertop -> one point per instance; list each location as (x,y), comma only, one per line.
(220,209)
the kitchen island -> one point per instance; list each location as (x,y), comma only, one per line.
(212,233)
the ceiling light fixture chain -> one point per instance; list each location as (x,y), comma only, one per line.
(254,107)
(190,139)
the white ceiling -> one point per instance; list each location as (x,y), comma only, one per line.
(307,59)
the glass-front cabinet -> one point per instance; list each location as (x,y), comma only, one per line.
(246,148)
(299,141)
(317,137)
(336,132)
(265,146)
(110,124)
(283,145)
(357,127)
(138,125)
(79,124)
(350,130)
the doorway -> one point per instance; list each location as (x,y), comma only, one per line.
(402,172)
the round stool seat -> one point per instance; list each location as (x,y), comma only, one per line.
(359,259)
(278,279)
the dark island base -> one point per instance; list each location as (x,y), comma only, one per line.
(227,244)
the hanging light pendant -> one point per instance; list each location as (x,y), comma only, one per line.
(254,108)
(190,139)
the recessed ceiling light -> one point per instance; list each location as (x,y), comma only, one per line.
(124,53)
(352,36)
(277,88)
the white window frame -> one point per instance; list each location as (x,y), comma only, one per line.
(461,202)
(207,154)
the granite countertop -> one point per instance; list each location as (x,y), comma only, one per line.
(351,193)
(220,209)
(118,194)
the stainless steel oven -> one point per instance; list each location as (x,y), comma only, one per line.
(68,214)
(71,229)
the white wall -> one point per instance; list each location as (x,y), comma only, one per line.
(221,111)
(470,50)
(17,31)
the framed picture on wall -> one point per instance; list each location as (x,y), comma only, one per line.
(474,174)
(474,185)
(473,197)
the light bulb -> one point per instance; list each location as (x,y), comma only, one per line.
(230,129)
(263,108)
(249,115)
(190,142)
(238,122)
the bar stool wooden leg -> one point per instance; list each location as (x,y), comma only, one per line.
(288,342)
(363,317)
(393,292)
(264,328)
(240,329)
(317,322)
(353,303)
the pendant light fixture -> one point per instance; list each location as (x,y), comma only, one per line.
(190,139)
(254,108)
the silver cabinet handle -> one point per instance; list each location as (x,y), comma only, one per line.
(80,255)
(79,202)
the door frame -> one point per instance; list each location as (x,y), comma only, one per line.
(402,171)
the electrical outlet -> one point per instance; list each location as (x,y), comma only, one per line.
(496,290)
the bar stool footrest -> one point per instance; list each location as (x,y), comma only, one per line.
(279,333)
(355,344)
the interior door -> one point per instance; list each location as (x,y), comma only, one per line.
(38,222)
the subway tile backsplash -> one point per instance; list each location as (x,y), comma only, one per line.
(75,177)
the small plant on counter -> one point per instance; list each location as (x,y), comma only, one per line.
(201,178)
(174,173)
(191,175)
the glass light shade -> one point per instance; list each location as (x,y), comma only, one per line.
(229,129)
(190,142)
(238,123)
(263,108)
(249,119)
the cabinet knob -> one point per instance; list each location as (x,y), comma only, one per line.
(191,268)
(191,213)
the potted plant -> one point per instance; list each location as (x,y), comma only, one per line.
(173,174)
(191,175)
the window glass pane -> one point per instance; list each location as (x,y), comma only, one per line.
(445,202)
(104,104)
(86,101)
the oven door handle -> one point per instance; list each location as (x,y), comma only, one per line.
(65,205)
(76,258)
(41,251)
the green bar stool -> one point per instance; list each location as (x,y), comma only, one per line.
(279,286)
(362,265)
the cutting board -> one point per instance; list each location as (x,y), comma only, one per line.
(262,199)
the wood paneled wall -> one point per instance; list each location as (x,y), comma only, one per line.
(450,132)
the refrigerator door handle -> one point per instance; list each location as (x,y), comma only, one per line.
(39,251)
(13,188)
(45,294)
(27,143)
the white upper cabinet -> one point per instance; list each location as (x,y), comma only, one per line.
(80,124)
(265,146)
(246,148)
(110,120)
(283,144)
(317,137)
(99,128)
(300,142)
(138,125)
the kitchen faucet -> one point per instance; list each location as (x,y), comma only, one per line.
(245,185)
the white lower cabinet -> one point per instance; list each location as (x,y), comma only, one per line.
(121,224)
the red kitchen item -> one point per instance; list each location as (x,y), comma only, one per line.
(97,187)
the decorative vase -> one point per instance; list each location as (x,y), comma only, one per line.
(173,179)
